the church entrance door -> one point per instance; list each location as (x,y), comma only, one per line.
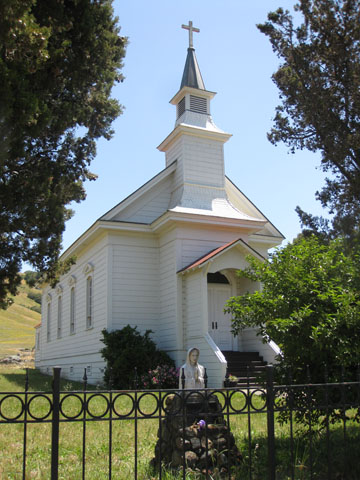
(219,322)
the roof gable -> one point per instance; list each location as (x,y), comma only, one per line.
(240,201)
(210,256)
(148,202)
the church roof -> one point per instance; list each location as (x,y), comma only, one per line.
(192,75)
(217,251)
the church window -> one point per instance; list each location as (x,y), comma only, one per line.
(48,321)
(72,310)
(217,278)
(59,317)
(181,107)
(89,302)
(37,339)
(198,104)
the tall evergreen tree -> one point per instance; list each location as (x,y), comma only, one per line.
(59,60)
(319,84)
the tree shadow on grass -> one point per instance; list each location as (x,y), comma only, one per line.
(318,457)
(15,381)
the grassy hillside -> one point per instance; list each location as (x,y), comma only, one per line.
(17,323)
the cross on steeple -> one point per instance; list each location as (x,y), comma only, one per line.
(191,30)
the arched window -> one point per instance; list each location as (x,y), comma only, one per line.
(89,302)
(217,278)
(72,310)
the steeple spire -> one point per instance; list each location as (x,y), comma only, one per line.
(192,75)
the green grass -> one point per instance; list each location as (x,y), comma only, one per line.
(123,437)
(17,323)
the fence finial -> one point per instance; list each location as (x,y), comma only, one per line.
(85,378)
(183,378)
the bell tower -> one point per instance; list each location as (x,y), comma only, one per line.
(196,143)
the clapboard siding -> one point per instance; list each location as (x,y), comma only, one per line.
(192,249)
(203,162)
(150,206)
(168,295)
(69,348)
(174,153)
(192,306)
(199,161)
(135,280)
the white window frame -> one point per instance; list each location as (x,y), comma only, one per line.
(37,339)
(48,320)
(59,317)
(89,301)
(72,310)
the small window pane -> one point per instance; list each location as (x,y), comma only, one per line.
(89,300)
(48,322)
(59,322)
(72,310)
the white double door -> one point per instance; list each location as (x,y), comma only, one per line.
(219,322)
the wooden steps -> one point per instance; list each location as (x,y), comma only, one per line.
(248,367)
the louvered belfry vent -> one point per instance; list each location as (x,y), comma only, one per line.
(198,104)
(181,107)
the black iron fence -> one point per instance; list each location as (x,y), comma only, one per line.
(265,432)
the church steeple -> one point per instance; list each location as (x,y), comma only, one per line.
(192,75)
(192,101)
(196,144)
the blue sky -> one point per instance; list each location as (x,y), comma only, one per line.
(237,62)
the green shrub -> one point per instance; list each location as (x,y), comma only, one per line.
(36,296)
(127,349)
(31,278)
(36,308)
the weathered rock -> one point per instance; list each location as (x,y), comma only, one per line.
(195,443)
(195,433)
(11,359)
(182,443)
(207,441)
(191,459)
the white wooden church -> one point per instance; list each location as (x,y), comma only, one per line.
(165,258)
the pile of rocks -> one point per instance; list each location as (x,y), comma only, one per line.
(11,360)
(25,357)
(194,433)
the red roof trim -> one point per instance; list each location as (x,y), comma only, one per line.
(215,252)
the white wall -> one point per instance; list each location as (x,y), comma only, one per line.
(81,348)
(150,206)
(135,282)
(168,294)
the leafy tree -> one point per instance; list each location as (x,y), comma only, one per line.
(309,305)
(319,84)
(31,278)
(127,349)
(58,62)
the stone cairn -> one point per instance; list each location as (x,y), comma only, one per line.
(194,433)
